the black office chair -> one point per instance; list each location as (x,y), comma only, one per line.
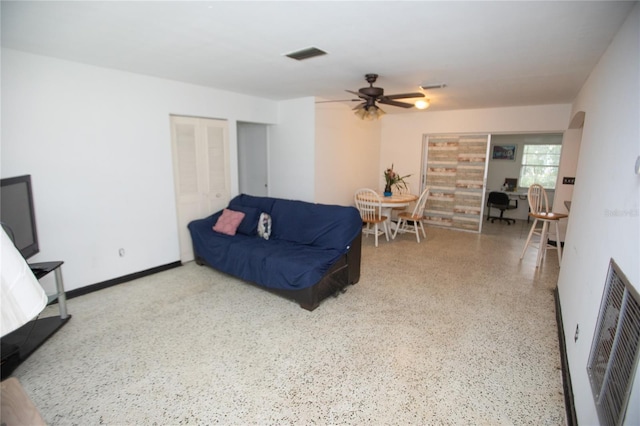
(502,202)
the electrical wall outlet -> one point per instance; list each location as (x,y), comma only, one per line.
(568,180)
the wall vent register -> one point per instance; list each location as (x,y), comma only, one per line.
(303,54)
(615,348)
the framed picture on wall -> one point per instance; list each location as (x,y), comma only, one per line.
(504,152)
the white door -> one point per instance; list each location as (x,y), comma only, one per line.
(252,159)
(201,172)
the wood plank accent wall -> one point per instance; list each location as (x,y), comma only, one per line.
(455,173)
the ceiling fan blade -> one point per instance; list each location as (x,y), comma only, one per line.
(360,106)
(340,100)
(360,95)
(405,95)
(387,101)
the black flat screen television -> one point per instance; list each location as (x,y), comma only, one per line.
(17,214)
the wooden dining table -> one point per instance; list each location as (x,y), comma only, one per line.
(397,200)
(388,203)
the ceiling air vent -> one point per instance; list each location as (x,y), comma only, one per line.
(310,52)
(615,348)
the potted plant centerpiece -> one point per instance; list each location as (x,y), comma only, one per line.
(393,179)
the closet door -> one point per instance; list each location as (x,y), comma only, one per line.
(201,172)
(455,167)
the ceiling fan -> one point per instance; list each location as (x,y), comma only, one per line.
(371,96)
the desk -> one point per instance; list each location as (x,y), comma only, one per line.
(516,195)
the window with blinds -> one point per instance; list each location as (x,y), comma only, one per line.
(615,348)
(540,165)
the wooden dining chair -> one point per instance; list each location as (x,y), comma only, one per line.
(369,205)
(401,189)
(416,218)
(539,211)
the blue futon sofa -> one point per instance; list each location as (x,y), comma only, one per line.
(313,250)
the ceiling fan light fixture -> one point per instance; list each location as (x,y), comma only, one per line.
(360,113)
(372,114)
(369,112)
(422,104)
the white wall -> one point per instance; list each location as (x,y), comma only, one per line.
(568,166)
(402,133)
(291,151)
(346,155)
(605,211)
(97,144)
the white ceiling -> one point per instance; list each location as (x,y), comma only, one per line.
(490,54)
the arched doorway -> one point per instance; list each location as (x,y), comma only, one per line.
(568,168)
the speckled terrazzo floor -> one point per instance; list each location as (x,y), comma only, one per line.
(452,331)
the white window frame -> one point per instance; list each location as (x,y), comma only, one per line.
(548,166)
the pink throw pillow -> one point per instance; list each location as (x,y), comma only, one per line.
(228,222)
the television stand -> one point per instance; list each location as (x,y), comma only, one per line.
(19,344)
